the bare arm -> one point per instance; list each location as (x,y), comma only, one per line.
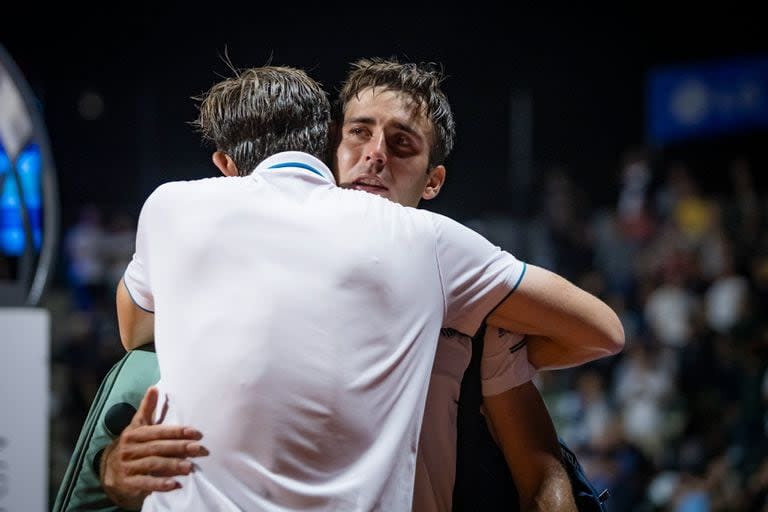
(137,326)
(521,425)
(578,326)
(544,354)
(146,457)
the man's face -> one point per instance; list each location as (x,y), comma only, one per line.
(384,149)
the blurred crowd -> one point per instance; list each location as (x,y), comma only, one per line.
(95,249)
(676,422)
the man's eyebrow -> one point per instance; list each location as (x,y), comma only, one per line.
(369,120)
(359,119)
(407,129)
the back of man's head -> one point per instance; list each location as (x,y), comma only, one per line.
(420,82)
(262,111)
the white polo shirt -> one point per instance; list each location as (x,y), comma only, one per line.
(295,326)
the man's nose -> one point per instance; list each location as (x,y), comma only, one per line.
(377,152)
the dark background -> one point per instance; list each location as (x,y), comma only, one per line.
(584,68)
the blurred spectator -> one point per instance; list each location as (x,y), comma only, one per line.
(561,235)
(669,309)
(726,299)
(634,210)
(744,212)
(84,253)
(691,212)
(586,408)
(644,388)
(715,251)
(75,355)
(691,494)
(615,463)
(119,244)
(614,254)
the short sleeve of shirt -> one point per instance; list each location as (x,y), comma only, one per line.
(136,277)
(504,364)
(476,275)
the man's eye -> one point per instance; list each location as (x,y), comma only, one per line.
(356,131)
(402,140)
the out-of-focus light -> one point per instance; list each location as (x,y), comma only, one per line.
(690,104)
(90,105)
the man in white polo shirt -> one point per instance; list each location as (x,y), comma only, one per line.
(291,424)
(293,460)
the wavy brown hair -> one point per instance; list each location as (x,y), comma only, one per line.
(262,111)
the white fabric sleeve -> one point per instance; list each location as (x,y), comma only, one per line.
(136,277)
(504,364)
(476,275)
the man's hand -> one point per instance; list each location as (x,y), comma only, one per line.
(146,456)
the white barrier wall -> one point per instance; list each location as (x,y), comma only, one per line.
(24,398)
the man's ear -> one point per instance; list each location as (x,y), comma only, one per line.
(225,163)
(435,182)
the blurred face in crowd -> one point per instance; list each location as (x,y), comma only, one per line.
(384,148)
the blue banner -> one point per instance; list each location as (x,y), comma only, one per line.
(714,98)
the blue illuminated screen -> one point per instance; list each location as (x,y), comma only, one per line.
(29,169)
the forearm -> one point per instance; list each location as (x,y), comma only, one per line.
(552,495)
(548,305)
(527,438)
(547,354)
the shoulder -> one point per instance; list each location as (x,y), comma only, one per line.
(167,190)
(185,189)
(447,226)
(381,208)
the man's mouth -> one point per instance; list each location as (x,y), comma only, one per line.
(369,185)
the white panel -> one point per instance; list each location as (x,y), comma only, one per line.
(24,398)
